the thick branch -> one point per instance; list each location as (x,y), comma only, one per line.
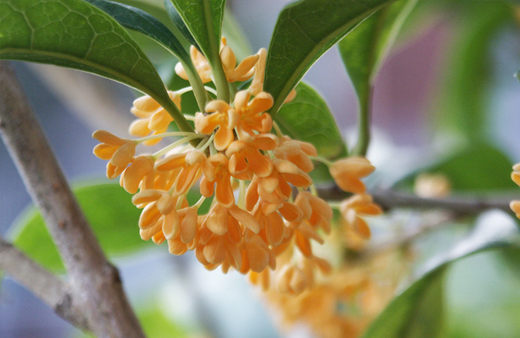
(93,280)
(43,284)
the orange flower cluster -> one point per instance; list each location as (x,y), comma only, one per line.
(344,303)
(347,174)
(262,213)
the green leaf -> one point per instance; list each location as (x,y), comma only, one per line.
(111,214)
(156,324)
(308,118)
(304,31)
(176,19)
(363,52)
(481,167)
(365,48)
(74,34)
(142,22)
(204,20)
(477,168)
(517,75)
(463,102)
(417,311)
(235,36)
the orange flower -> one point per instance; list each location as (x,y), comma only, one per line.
(221,236)
(432,185)
(136,172)
(200,63)
(257,85)
(224,118)
(152,118)
(315,210)
(256,256)
(245,159)
(297,152)
(220,177)
(243,71)
(348,171)
(252,117)
(357,205)
(189,164)
(119,151)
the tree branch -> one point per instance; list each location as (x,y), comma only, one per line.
(93,280)
(460,206)
(43,284)
(389,199)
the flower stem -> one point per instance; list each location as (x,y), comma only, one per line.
(365,111)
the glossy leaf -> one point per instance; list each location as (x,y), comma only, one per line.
(74,34)
(417,311)
(308,118)
(111,214)
(142,22)
(176,19)
(204,20)
(304,31)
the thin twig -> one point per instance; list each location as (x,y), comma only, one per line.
(43,284)
(93,280)
(389,199)
(461,206)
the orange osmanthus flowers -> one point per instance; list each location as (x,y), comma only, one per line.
(264,215)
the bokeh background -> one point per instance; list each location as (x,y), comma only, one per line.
(407,134)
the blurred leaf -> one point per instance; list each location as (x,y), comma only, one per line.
(517,75)
(481,167)
(157,325)
(417,311)
(305,30)
(142,22)
(462,103)
(308,118)
(111,214)
(74,34)
(363,52)
(477,168)
(365,48)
